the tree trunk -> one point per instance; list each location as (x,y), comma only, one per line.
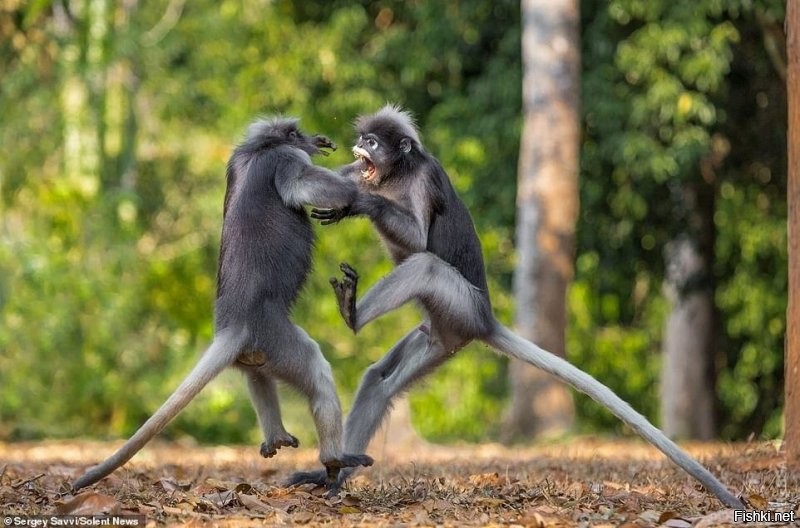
(83,91)
(688,373)
(792,391)
(547,208)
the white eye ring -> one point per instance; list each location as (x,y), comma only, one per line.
(372,143)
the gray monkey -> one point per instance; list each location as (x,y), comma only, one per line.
(407,195)
(265,257)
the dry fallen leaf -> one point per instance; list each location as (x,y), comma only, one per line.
(218,484)
(758,502)
(724,517)
(677,522)
(244,487)
(220,499)
(171,486)
(651,516)
(90,503)
(251,502)
(302,517)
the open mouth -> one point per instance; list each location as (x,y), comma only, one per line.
(368,170)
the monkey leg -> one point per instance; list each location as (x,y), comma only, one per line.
(410,359)
(304,366)
(264,395)
(446,294)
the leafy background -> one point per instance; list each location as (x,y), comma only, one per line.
(117,121)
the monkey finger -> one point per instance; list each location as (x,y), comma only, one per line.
(327,216)
(324,142)
(348,271)
(320,213)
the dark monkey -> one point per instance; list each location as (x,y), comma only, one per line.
(265,256)
(429,233)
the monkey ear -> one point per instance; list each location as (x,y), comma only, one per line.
(405,145)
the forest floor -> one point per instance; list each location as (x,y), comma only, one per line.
(583,482)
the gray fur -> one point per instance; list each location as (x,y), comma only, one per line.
(393,113)
(265,256)
(442,268)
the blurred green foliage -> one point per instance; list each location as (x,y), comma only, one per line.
(118,118)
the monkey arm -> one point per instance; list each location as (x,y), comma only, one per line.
(315,186)
(351,171)
(395,223)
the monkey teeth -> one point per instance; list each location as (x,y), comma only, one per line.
(368,171)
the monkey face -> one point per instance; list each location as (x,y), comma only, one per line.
(370,151)
(387,145)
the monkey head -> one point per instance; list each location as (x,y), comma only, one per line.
(275,131)
(387,143)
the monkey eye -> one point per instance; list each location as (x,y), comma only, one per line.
(371,143)
(292,134)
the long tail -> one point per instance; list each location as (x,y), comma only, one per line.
(508,342)
(221,354)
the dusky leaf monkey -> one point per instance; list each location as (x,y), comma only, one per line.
(407,195)
(265,257)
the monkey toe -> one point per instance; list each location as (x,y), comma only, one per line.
(318,478)
(270,449)
(349,272)
(348,460)
(357,460)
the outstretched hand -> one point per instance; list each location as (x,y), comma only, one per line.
(323,142)
(330,216)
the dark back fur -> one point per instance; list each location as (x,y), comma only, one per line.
(451,235)
(265,251)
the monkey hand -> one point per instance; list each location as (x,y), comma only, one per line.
(322,142)
(345,291)
(330,216)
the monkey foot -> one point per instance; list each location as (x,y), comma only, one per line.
(319,478)
(270,447)
(349,461)
(334,479)
(345,291)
